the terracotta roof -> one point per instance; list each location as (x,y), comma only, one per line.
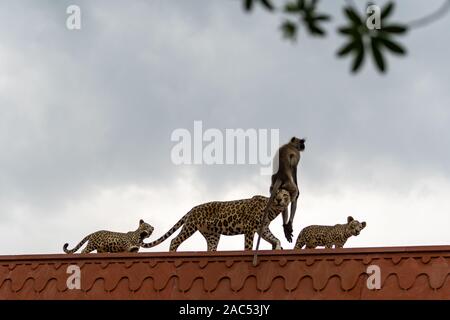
(406,273)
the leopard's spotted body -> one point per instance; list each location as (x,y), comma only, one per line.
(327,236)
(108,241)
(218,218)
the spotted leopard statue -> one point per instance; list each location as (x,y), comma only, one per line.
(213,219)
(327,236)
(108,241)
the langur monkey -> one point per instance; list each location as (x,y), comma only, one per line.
(288,158)
(285,163)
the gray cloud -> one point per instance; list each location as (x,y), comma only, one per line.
(95,108)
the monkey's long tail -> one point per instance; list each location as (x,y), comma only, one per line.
(275,188)
(78,245)
(167,235)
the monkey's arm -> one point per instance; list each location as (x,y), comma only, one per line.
(288,232)
(285,215)
(286,226)
(288,229)
(294,201)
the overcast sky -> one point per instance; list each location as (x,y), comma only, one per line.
(86,118)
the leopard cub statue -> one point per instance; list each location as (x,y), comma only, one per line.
(112,242)
(327,236)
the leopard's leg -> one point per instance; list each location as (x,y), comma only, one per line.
(133,249)
(300,243)
(249,240)
(269,237)
(328,246)
(212,239)
(89,247)
(186,232)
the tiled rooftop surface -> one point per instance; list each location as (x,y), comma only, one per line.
(406,273)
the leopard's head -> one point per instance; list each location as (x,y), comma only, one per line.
(281,200)
(354,226)
(145,229)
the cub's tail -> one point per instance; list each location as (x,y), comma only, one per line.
(77,247)
(167,235)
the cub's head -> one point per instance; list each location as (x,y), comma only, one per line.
(145,229)
(354,226)
(282,199)
(298,143)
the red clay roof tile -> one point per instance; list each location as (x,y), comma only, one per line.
(406,273)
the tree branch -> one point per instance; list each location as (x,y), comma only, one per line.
(436,15)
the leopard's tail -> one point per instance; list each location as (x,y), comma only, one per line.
(167,235)
(78,245)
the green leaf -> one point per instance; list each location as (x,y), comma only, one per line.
(377,55)
(387,10)
(348,31)
(266,3)
(292,7)
(289,30)
(395,28)
(347,48)
(353,32)
(248,5)
(301,4)
(357,62)
(353,16)
(394,47)
(322,17)
(315,30)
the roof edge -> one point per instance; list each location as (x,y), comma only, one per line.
(224,254)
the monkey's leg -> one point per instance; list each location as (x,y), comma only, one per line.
(185,233)
(293,209)
(269,237)
(291,187)
(212,239)
(273,191)
(285,216)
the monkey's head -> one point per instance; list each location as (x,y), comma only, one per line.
(282,199)
(298,143)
